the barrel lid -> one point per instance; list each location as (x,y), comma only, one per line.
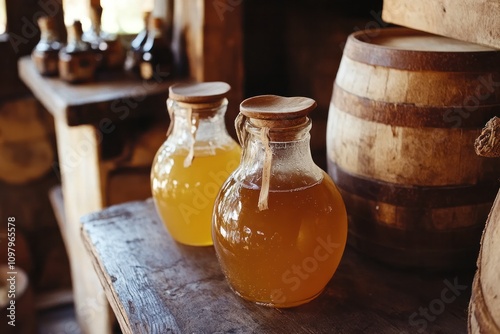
(274,107)
(408,49)
(199,92)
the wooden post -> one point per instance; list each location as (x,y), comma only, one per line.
(468,20)
(211,33)
(82,188)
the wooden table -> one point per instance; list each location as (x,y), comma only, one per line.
(156,285)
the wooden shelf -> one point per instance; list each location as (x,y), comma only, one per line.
(156,285)
(113,95)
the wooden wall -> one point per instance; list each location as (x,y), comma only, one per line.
(295,47)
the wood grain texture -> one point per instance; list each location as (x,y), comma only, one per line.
(405,112)
(409,115)
(468,20)
(199,92)
(83,193)
(413,50)
(156,285)
(406,155)
(484,311)
(421,88)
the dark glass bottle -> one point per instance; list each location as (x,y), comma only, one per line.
(45,55)
(77,61)
(157,59)
(109,49)
(134,55)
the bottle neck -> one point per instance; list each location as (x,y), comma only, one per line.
(203,128)
(75,43)
(48,36)
(288,153)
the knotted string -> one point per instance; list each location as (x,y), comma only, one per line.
(194,120)
(266,168)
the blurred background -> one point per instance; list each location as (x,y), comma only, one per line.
(290,48)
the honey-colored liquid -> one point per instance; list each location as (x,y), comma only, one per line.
(283,256)
(184,197)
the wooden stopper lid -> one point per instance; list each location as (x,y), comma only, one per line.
(277,111)
(200,92)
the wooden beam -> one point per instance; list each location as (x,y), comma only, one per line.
(474,21)
(210,32)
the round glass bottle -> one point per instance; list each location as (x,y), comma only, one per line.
(77,62)
(194,161)
(45,55)
(107,47)
(279,223)
(134,55)
(157,58)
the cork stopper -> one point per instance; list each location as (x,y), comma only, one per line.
(146,17)
(277,111)
(95,14)
(75,31)
(202,92)
(46,23)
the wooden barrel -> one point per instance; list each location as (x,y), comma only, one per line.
(405,111)
(484,308)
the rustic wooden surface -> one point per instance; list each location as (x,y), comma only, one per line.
(114,95)
(466,20)
(484,315)
(156,285)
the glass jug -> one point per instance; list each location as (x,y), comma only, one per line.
(279,223)
(194,161)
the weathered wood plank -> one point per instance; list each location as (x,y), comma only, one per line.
(156,285)
(469,20)
(484,311)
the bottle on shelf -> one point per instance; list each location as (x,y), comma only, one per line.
(45,55)
(157,58)
(134,55)
(279,222)
(108,48)
(77,61)
(194,161)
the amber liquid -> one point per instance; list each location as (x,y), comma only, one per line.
(283,256)
(184,196)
